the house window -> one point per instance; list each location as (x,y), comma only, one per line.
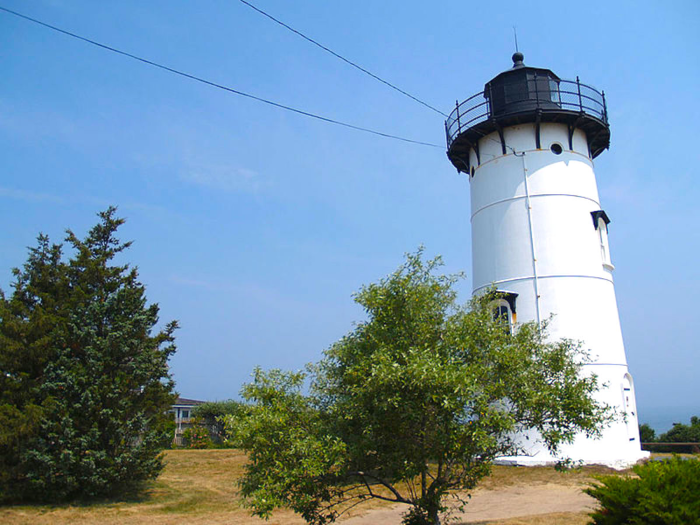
(600,222)
(185,414)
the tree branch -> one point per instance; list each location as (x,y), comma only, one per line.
(351,506)
(364,475)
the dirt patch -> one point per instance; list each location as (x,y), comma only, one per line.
(500,504)
(200,487)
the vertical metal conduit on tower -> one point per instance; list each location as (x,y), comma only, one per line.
(528,204)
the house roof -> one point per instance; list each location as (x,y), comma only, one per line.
(182,401)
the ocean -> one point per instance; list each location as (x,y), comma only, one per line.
(661,419)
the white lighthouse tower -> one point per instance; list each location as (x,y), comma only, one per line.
(540,234)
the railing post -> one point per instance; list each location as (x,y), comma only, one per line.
(459,125)
(605,108)
(580,101)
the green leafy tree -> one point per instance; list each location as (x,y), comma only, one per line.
(84,380)
(212,415)
(412,405)
(646,433)
(681,433)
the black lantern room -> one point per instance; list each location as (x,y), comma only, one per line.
(522,95)
(522,89)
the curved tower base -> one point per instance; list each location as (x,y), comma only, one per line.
(544,459)
(607,461)
(618,447)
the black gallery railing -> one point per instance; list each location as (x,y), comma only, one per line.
(526,96)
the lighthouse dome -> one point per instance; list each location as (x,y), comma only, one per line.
(522,89)
(526,95)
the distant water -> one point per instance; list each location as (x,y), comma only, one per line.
(661,419)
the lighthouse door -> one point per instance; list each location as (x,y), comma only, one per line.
(629,408)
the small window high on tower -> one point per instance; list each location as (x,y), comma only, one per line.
(600,222)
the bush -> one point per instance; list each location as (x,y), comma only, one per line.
(664,493)
(197,436)
(212,416)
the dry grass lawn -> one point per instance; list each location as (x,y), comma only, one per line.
(199,487)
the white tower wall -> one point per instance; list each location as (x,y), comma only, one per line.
(533,234)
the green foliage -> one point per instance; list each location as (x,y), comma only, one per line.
(681,433)
(212,415)
(664,493)
(415,402)
(294,461)
(84,383)
(646,433)
(168,427)
(197,435)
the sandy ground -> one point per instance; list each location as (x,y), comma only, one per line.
(507,502)
(504,503)
(516,501)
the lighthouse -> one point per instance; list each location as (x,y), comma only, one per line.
(527,143)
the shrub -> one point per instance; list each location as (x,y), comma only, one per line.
(197,436)
(212,415)
(664,493)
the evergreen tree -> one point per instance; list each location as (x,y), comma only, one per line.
(84,380)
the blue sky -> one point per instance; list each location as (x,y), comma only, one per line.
(254,226)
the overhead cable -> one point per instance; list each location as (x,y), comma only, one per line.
(214,84)
(353,64)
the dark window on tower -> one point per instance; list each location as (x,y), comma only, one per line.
(504,309)
(501,312)
(515,92)
(554,91)
(600,222)
(539,87)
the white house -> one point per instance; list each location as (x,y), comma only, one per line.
(182,412)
